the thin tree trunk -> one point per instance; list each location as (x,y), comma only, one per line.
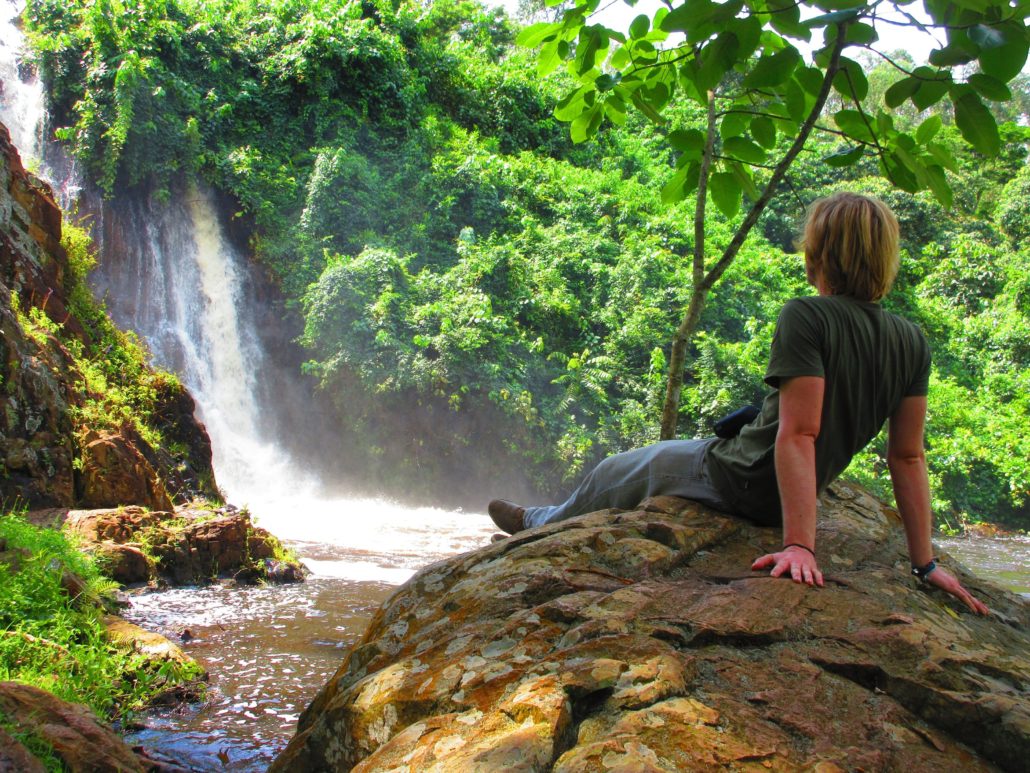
(685,332)
(702,286)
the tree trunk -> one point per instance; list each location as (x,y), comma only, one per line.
(698,296)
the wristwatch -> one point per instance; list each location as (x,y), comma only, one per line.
(923,571)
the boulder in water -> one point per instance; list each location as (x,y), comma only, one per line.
(642,641)
(188,546)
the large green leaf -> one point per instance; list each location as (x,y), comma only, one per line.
(744,149)
(591,41)
(854,124)
(552,54)
(773,70)
(725,191)
(745,178)
(850,80)
(861,33)
(716,59)
(1003,49)
(535,34)
(687,140)
(640,26)
(763,129)
(585,125)
(845,157)
(786,20)
(938,184)
(930,92)
(989,87)
(900,91)
(975,121)
(928,129)
(682,183)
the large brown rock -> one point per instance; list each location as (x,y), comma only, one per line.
(82,742)
(115,472)
(640,641)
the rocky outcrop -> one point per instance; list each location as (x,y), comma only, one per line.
(41,444)
(185,547)
(78,739)
(114,472)
(640,641)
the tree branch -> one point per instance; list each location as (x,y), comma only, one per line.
(781,169)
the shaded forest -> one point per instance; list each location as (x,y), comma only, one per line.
(476,293)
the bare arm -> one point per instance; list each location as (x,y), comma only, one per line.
(907,462)
(801,403)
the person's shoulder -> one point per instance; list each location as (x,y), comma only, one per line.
(904,325)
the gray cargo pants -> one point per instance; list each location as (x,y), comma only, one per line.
(670,467)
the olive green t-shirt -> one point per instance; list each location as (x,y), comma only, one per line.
(870,360)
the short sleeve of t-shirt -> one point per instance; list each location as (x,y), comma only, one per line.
(920,386)
(796,346)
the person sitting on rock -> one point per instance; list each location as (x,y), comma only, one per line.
(839,366)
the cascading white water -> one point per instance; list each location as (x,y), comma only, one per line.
(21,98)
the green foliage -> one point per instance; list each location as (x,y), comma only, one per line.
(461,263)
(118,386)
(745,52)
(58,643)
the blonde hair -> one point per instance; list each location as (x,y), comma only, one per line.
(853,241)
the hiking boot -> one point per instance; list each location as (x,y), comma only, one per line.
(507,515)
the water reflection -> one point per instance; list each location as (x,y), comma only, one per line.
(1002,560)
(268,650)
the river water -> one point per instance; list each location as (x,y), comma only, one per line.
(269,649)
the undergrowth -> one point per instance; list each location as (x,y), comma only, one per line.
(57,643)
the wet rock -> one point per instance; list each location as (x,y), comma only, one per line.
(642,641)
(80,740)
(126,564)
(39,435)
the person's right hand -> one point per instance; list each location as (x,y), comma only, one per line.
(946,581)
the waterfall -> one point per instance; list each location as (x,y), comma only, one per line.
(168,272)
(21,95)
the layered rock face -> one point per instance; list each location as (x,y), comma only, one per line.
(40,444)
(640,641)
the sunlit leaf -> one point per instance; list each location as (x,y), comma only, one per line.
(640,26)
(725,192)
(535,34)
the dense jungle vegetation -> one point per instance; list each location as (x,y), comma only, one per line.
(460,264)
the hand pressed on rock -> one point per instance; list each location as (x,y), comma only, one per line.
(946,581)
(796,562)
